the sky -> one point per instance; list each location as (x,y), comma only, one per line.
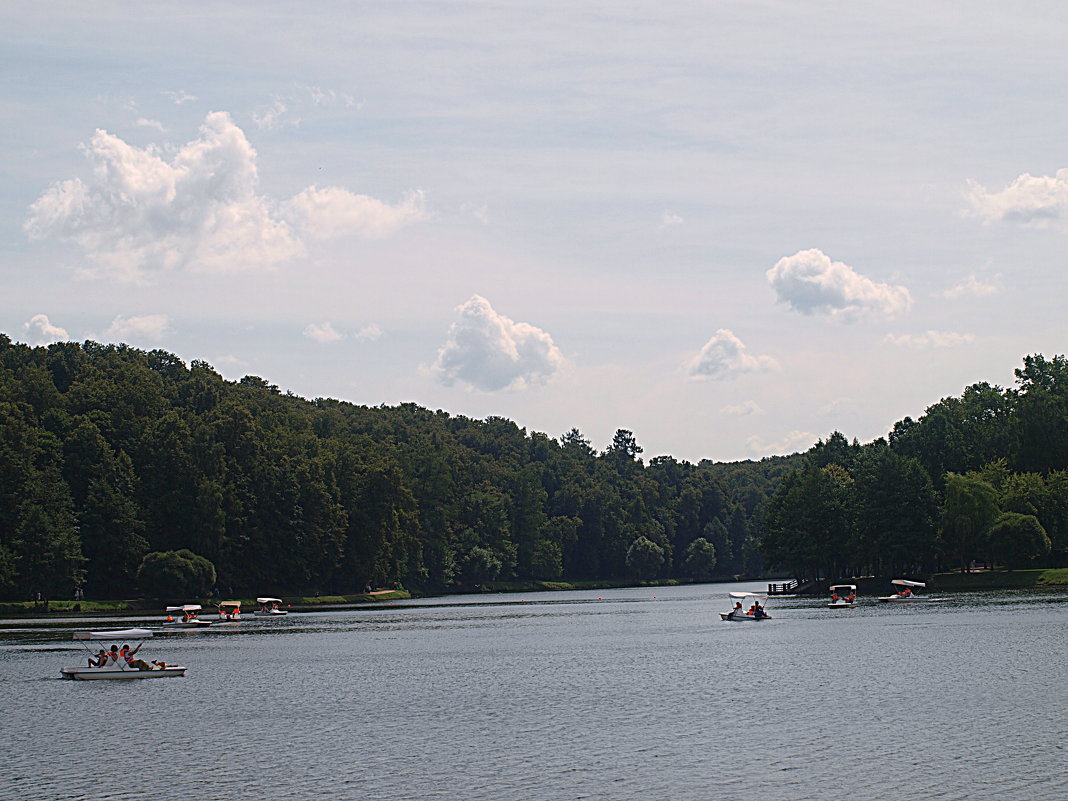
(731,228)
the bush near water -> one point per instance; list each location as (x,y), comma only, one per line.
(122,470)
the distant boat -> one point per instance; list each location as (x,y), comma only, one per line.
(748,608)
(269,607)
(906,593)
(188,617)
(837,601)
(229,610)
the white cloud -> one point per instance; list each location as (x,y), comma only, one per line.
(810,283)
(669,219)
(40,331)
(323,334)
(145,122)
(180,97)
(490,352)
(744,409)
(271,116)
(148,327)
(332,211)
(971,286)
(793,442)
(140,213)
(725,356)
(369,333)
(930,339)
(1030,200)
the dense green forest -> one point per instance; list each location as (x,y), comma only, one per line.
(982,478)
(126,473)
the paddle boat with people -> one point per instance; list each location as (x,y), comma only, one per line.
(229,610)
(748,607)
(906,591)
(843,596)
(185,616)
(269,607)
(119,664)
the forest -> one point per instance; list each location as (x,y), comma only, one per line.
(977,480)
(127,473)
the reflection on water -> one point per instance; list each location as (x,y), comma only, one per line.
(606,694)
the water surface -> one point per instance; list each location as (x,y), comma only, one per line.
(607,694)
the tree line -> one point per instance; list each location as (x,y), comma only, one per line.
(129,473)
(980,478)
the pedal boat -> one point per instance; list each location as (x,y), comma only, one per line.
(118,671)
(748,601)
(188,617)
(269,607)
(839,590)
(906,593)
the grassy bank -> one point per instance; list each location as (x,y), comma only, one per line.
(64,608)
(1000,579)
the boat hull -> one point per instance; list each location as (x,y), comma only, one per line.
(274,613)
(118,674)
(733,618)
(841,605)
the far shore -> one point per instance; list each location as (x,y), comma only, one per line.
(942,582)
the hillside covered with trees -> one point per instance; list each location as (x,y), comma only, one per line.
(126,473)
(979,478)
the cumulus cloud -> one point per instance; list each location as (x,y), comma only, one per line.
(40,331)
(140,212)
(745,409)
(1030,200)
(323,334)
(725,356)
(810,283)
(331,211)
(369,333)
(793,442)
(930,339)
(180,97)
(971,286)
(135,329)
(490,352)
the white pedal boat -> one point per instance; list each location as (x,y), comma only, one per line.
(269,607)
(188,617)
(745,611)
(837,601)
(121,673)
(906,593)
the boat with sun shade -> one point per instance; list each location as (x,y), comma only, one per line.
(843,596)
(185,617)
(748,608)
(269,607)
(113,664)
(906,591)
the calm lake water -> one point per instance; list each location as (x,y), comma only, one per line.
(632,694)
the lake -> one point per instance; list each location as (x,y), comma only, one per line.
(629,694)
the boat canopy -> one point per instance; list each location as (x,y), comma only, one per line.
(268,600)
(114,634)
(233,604)
(186,608)
(843,587)
(759,595)
(907,583)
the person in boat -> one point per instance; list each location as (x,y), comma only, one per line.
(834,597)
(113,655)
(100,659)
(852,597)
(758,610)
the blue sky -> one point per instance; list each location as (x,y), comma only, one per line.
(730,227)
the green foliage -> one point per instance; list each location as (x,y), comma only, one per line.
(644,559)
(176,574)
(699,561)
(1016,540)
